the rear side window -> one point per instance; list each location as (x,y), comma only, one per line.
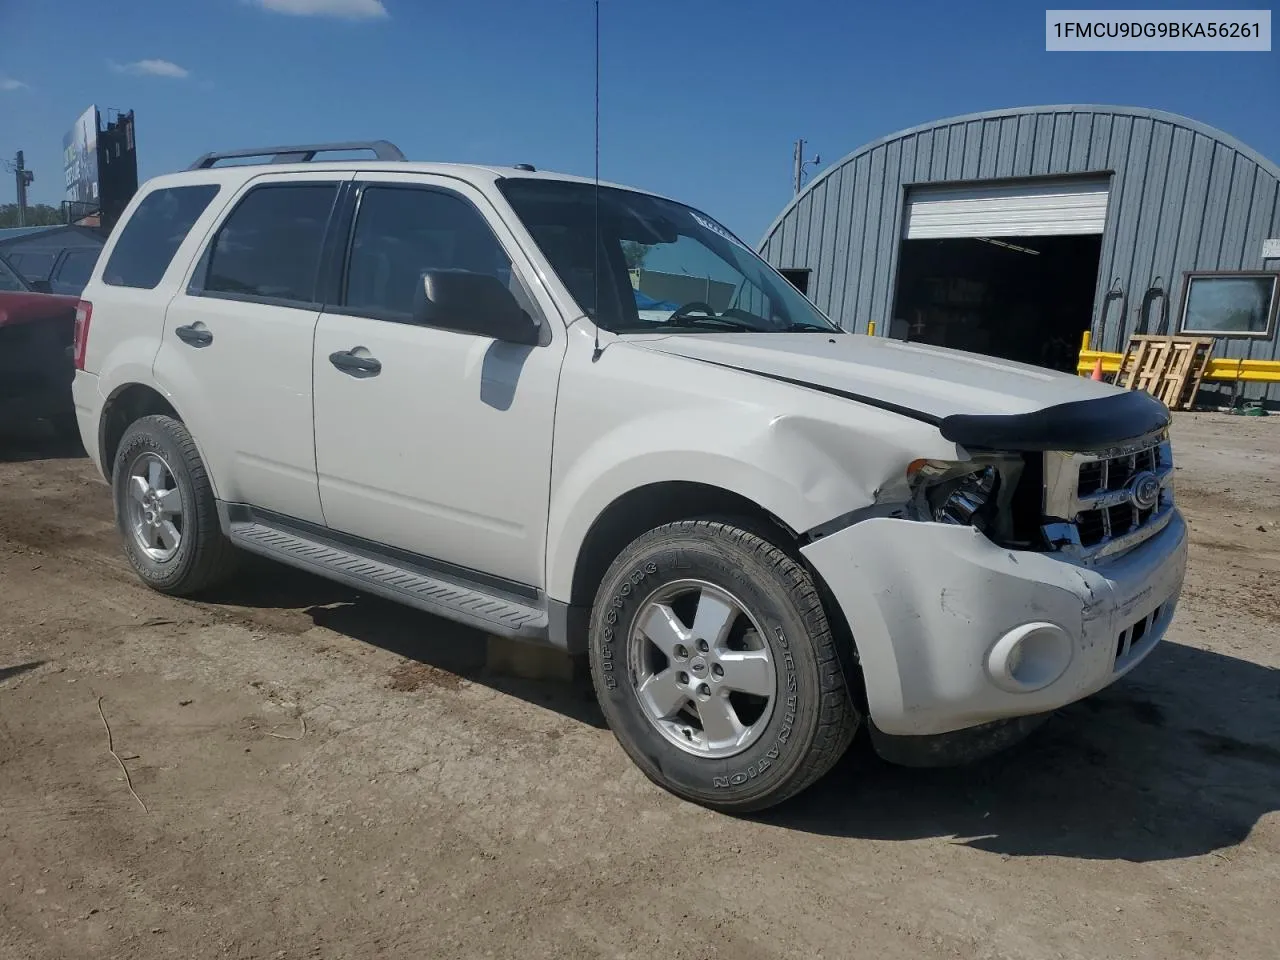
(153,234)
(269,248)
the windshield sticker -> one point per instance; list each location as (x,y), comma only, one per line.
(714,227)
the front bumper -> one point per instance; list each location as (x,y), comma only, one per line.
(953,631)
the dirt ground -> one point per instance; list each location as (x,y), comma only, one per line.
(327,775)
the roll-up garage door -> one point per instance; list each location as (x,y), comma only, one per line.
(1040,209)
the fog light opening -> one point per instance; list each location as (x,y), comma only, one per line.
(1030,657)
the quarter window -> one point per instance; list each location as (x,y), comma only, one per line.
(400,233)
(153,234)
(269,248)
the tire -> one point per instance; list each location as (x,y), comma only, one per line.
(793,740)
(200,556)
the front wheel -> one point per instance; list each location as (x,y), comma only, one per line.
(716,668)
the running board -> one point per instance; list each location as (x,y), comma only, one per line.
(430,593)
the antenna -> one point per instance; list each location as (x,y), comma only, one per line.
(595,354)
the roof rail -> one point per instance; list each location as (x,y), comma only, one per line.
(301,153)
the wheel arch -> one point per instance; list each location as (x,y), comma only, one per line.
(640,509)
(643,508)
(126,404)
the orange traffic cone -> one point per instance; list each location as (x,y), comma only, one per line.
(1097,369)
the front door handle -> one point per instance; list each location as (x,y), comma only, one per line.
(196,336)
(348,362)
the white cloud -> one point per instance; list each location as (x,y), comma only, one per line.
(152,68)
(346,9)
(8,83)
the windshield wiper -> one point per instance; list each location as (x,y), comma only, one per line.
(719,323)
(806,328)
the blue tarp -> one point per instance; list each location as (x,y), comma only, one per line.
(646,302)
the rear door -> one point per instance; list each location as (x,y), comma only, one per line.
(236,351)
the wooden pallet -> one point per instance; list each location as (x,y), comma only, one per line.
(1169,368)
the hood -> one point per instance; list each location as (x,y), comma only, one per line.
(32,307)
(931,382)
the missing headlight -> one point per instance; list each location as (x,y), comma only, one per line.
(974,493)
(965,499)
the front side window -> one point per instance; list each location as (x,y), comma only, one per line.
(402,232)
(1230,304)
(269,248)
(153,234)
(659,266)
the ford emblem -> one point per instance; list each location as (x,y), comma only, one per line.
(1144,490)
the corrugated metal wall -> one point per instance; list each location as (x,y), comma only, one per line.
(1183,197)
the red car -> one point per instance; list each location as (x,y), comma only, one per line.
(36,363)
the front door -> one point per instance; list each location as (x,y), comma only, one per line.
(433,441)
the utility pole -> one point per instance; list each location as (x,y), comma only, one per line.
(24,178)
(801,163)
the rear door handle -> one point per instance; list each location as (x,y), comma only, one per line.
(348,362)
(195,336)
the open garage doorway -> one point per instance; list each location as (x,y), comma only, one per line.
(1008,270)
(1020,298)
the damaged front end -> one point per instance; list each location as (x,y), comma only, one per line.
(1088,505)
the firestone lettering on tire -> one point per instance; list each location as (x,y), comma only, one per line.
(611,619)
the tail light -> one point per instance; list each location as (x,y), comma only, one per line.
(84,313)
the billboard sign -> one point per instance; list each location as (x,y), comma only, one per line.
(80,158)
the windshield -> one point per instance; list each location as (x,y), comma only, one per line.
(663,267)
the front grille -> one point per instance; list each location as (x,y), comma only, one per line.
(1094,502)
(1095,526)
(1113,473)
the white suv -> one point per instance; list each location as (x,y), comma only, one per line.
(591,417)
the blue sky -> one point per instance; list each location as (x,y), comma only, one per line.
(701,99)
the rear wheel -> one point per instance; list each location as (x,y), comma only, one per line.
(166,510)
(716,667)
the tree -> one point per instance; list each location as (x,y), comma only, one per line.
(635,253)
(38,215)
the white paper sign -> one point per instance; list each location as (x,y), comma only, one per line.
(1271,249)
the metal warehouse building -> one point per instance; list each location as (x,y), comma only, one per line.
(1013,232)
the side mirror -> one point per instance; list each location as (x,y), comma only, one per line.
(475,303)
(41,286)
